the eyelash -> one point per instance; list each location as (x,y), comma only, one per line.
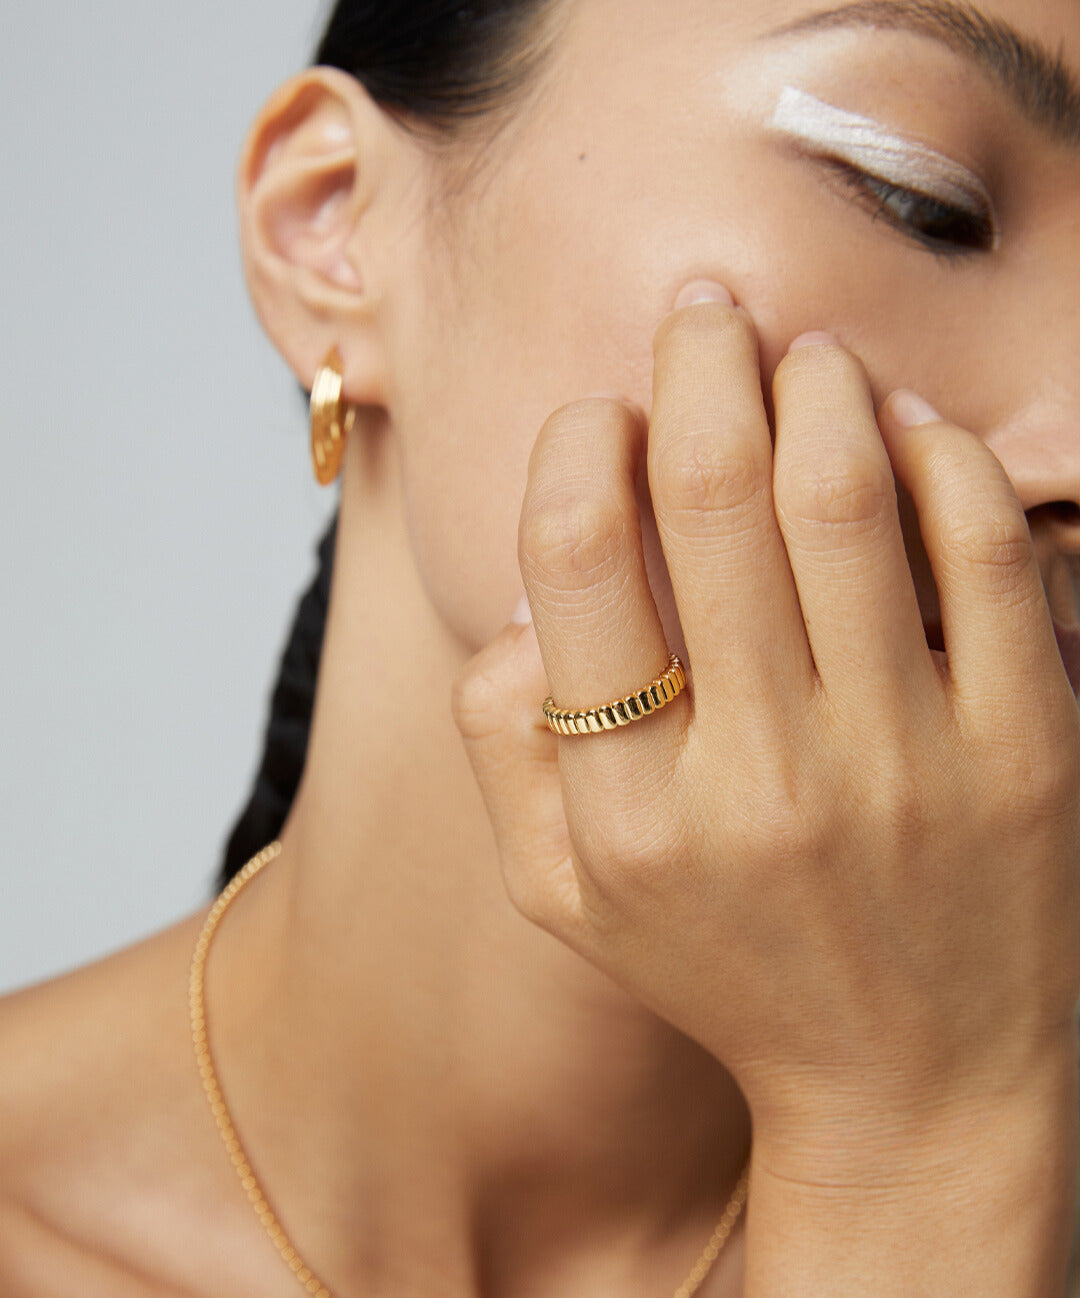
(972,232)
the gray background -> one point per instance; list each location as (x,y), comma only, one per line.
(157,514)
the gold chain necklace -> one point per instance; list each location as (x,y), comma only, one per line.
(296,1264)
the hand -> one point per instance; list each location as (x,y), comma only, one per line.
(848,867)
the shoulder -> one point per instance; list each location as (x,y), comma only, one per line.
(79,1050)
(101,1109)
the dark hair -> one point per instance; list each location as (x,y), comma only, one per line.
(441,65)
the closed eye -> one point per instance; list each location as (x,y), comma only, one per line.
(935,225)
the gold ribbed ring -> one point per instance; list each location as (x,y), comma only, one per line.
(620,712)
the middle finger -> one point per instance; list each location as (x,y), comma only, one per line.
(710,475)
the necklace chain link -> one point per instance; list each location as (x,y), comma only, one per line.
(305,1276)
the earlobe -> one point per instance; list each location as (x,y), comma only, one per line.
(307,174)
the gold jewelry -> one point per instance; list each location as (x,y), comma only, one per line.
(332,419)
(304,1274)
(622,711)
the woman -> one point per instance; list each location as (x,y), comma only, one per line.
(651,308)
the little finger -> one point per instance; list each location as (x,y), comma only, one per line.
(999,638)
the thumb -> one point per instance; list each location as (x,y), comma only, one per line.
(497,706)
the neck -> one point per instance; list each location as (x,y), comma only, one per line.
(443,1089)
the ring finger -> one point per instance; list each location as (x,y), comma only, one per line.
(836,502)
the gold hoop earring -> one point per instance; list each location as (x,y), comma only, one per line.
(332,419)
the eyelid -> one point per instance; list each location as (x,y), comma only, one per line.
(866,144)
(854,183)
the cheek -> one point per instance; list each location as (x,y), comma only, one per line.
(560,302)
(462,519)
(462,524)
(545,337)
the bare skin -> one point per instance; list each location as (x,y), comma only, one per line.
(440,1095)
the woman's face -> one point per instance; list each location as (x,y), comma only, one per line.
(695,139)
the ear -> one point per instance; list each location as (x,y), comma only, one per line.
(316,173)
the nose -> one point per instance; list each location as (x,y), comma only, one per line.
(1036,434)
(1040,451)
(1032,419)
(1039,447)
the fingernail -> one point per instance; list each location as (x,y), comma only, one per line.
(703,290)
(909,410)
(522,615)
(813,339)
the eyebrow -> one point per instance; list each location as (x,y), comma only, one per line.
(1038,80)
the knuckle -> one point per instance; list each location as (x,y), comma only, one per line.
(796,831)
(995,541)
(566,541)
(696,474)
(768,812)
(553,897)
(476,702)
(774,839)
(630,858)
(900,803)
(1044,783)
(779,833)
(772,828)
(635,848)
(850,490)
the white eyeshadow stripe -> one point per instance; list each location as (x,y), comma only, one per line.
(865,143)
